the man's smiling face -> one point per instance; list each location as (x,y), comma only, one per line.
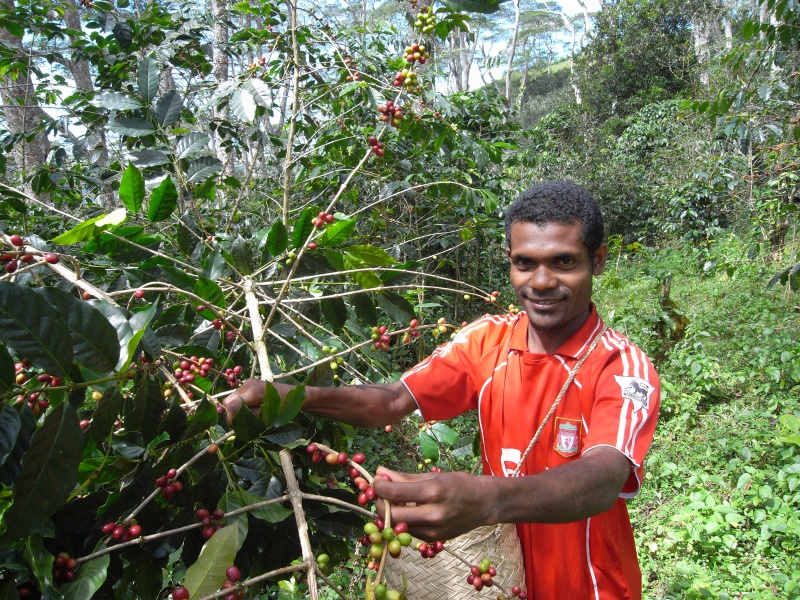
(551,272)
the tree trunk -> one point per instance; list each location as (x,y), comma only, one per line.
(727,23)
(511,51)
(20,106)
(701,48)
(220,71)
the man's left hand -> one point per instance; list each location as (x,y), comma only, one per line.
(436,506)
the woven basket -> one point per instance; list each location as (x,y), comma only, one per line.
(444,576)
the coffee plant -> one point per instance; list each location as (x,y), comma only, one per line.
(284,209)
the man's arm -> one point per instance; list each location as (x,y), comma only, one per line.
(449,504)
(371,405)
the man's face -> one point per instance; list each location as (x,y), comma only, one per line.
(551,272)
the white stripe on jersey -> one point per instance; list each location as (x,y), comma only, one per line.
(480,421)
(589,560)
(567,369)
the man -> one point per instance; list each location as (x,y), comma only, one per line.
(569,497)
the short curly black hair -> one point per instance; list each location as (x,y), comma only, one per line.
(559,202)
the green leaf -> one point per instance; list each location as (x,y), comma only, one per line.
(475,6)
(177,277)
(91,575)
(370,255)
(148,78)
(208,571)
(277,239)
(364,307)
(205,415)
(131,189)
(273,513)
(7,382)
(116,101)
(203,168)
(366,279)
(230,502)
(444,434)
(40,561)
(291,405)
(338,232)
(261,92)
(427,446)
(271,405)
(302,227)
(148,158)
(397,308)
(335,312)
(190,145)
(168,108)
(49,473)
(211,293)
(9,430)
(104,416)
(131,126)
(163,201)
(123,34)
(247,426)
(285,435)
(242,255)
(138,324)
(94,339)
(34,329)
(148,407)
(243,105)
(91,228)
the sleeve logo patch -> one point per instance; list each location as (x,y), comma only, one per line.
(636,390)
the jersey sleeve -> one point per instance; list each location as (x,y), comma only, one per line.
(443,385)
(625,409)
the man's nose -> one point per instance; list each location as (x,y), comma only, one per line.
(542,278)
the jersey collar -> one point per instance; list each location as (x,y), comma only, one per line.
(574,346)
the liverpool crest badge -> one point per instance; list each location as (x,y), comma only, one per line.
(568,436)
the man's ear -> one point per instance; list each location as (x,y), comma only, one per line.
(508,252)
(599,260)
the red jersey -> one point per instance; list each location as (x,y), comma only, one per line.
(613,401)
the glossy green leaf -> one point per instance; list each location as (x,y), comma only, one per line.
(364,307)
(277,239)
(40,561)
(116,101)
(397,308)
(9,430)
(291,405)
(119,321)
(147,408)
(49,473)
(138,324)
(123,34)
(211,293)
(474,6)
(271,405)
(203,168)
(163,201)
(272,513)
(104,416)
(218,553)
(427,446)
(168,108)
(338,232)
(370,255)
(242,255)
(91,228)
(131,126)
(444,433)
(94,339)
(285,435)
(7,374)
(12,466)
(243,105)
(232,501)
(34,329)
(366,279)
(148,78)
(261,92)
(335,312)
(148,158)
(177,277)
(247,426)
(205,415)
(191,145)
(89,578)
(302,227)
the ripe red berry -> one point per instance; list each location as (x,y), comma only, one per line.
(16,240)
(26,258)
(180,593)
(218,514)
(135,531)
(312,245)
(341,458)
(108,528)
(329,219)
(52,258)
(202,513)
(359,458)
(233,573)
(515,589)
(208,532)
(11,267)
(118,532)
(162,481)
(139,293)
(311,448)
(372,140)
(168,491)
(172,473)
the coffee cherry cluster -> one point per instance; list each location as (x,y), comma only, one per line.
(64,568)
(416,52)
(212,521)
(233,575)
(381,592)
(37,402)
(336,362)
(122,533)
(232,376)
(426,20)
(321,219)
(169,485)
(441,327)
(261,62)
(377,534)
(430,549)
(408,79)
(391,113)
(513,310)
(493,297)
(376,146)
(86,3)
(481,575)
(519,592)
(356,76)
(230,337)
(414,333)
(380,339)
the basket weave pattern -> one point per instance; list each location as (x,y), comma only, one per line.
(445,576)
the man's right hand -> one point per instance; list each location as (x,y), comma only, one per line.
(251,394)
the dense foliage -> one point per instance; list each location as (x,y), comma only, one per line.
(234,193)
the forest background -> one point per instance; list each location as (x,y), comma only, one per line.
(289,190)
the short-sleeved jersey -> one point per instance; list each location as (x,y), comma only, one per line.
(613,402)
